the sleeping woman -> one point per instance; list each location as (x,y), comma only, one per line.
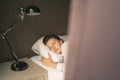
(56,46)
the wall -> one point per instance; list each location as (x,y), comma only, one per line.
(53,19)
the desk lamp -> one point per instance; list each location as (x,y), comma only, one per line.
(31,10)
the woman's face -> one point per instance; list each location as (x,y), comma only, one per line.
(54,45)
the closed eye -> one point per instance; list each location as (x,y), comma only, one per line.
(53,43)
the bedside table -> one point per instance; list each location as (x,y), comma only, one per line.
(33,72)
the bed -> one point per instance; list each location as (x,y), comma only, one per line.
(40,49)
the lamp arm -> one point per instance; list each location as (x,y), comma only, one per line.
(3,35)
(10,27)
(9,48)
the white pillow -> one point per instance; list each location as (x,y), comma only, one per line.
(40,48)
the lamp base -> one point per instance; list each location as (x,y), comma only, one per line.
(19,66)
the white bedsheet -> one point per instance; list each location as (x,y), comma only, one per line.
(52,73)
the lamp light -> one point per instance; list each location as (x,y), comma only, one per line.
(31,10)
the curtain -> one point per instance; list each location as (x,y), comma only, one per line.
(94,49)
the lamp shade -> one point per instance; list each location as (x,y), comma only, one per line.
(32,10)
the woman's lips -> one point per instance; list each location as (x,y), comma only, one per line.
(56,50)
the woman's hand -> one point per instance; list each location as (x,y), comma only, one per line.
(48,62)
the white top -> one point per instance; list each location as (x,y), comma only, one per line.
(61,66)
(56,57)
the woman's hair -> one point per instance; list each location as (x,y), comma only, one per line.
(46,38)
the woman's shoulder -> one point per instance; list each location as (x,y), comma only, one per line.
(65,47)
(65,43)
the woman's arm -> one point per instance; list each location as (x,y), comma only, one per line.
(48,62)
(54,65)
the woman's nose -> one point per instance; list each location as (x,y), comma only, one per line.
(54,48)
